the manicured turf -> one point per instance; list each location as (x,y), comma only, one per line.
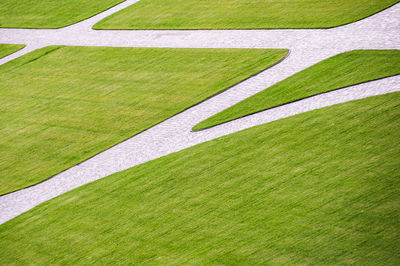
(319,188)
(340,71)
(49,13)
(61,105)
(7,49)
(241,14)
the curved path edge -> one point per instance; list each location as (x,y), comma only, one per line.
(307,47)
(175,139)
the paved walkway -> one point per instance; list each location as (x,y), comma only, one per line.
(307,47)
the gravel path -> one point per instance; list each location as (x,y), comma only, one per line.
(307,47)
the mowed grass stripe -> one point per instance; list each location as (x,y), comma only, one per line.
(339,71)
(241,14)
(62,105)
(7,49)
(49,13)
(322,187)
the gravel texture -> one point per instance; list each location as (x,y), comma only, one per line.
(307,47)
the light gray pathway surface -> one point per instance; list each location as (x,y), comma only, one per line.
(307,47)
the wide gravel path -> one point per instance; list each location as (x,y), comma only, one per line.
(307,47)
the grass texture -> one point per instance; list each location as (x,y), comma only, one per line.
(7,49)
(318,188)
(340,71)
(62,105)
(241,14)
(49,13)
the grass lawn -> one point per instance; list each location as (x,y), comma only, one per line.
(62,105)
(340,71)
(7,49)
(318,188)
(49,13)
(241,14)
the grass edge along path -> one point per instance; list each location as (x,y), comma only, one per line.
(7,49)
(343,70)
(238,14)
(321,187)
(49,14)
(63,105)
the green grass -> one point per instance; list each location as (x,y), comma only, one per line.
(318,188)
(49,13)
(62,105)
(241,14)
(7,49)
(340,71)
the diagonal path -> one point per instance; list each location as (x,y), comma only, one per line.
(307,47)
(379,31)
(171,136)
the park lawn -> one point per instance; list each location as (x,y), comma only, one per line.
(319,188)
(7,49)
(62,105)
(49,13)
(339,71)
(241,14)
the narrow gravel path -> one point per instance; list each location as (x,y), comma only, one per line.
(307,47)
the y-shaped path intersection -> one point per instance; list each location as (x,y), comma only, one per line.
(307,47)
